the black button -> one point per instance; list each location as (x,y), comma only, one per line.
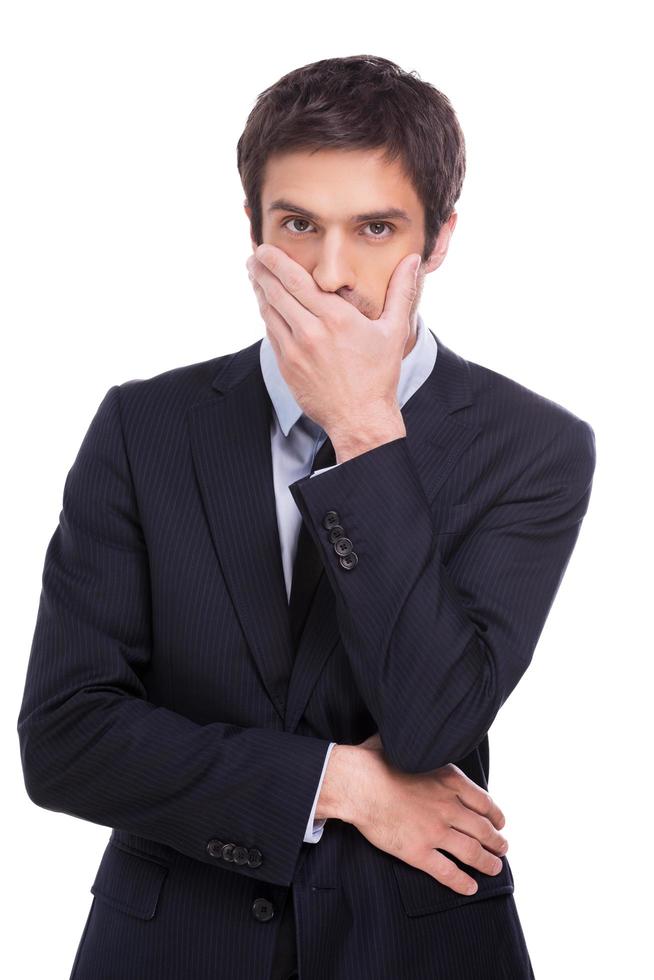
(240,855)
(349,561)
(336,533)
(330,519)
(215,847)
(255,857)
(263,909)
(343,546)
(228,850)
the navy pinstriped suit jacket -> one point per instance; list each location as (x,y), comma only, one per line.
(163,698)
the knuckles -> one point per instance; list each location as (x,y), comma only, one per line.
(293,282)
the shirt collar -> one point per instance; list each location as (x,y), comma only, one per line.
(415,368)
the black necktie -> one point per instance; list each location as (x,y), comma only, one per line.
(308,564)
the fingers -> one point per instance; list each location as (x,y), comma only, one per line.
(473,796)
(270,311)
(466,850)
(293,276)
(287,286)
(479,800)
(402,290)
(277,329)
(471,851)
(447,872)
(478,829)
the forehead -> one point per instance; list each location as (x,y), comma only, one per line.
(337,182)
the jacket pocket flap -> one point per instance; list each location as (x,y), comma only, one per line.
(421,893)
(128,881)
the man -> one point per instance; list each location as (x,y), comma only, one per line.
(292,586)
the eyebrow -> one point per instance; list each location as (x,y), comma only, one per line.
(395,213)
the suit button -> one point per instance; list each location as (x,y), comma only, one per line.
(228,852)
(215,847)
(343,546)
(349,561)
(255,857)
(263,909)
(336,532)
(240,855)
(330,519)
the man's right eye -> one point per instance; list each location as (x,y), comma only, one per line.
(295,232)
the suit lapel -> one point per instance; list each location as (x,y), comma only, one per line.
(230,441)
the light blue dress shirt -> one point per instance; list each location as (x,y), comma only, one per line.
(295,440)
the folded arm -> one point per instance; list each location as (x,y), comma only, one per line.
(93,745)
(436,650)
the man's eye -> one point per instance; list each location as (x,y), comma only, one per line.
(380,224)
(303,221)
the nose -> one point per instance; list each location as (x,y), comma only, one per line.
(333,270)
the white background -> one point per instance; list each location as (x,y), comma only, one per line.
(124,243)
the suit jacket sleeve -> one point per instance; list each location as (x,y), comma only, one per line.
(436,650)
(93,745)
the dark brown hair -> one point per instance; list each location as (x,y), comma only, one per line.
(359,102)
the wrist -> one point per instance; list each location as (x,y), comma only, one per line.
(344,788)
(354,440)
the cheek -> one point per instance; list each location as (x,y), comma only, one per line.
(276,236)
(380,287)
(371,301)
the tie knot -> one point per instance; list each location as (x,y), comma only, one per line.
(325,456)
(306,422)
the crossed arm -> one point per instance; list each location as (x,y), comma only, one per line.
(436,650)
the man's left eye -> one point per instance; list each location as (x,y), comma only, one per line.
(378,224)
(304,221)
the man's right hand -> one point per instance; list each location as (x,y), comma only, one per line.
(409,815)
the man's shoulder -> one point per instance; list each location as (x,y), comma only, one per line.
(177,389)
(505,400)
(519,423)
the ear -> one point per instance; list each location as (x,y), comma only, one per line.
(442,244)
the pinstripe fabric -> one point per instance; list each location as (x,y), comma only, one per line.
(163,608)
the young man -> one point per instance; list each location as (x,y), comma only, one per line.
(292,586)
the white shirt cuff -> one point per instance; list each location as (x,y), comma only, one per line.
(324,469)
(314,829)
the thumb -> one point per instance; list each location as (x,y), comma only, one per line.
(401,290)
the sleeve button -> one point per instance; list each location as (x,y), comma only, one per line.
(349,561)
(240,855)
(215,847)
(336,532)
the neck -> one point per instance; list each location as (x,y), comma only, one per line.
(413,335)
